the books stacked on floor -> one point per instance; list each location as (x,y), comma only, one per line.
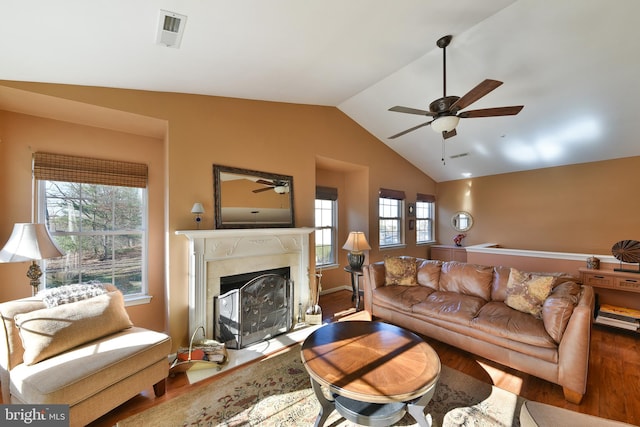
(620,317)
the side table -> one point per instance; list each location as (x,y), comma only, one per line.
(355,284)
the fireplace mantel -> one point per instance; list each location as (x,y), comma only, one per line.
(213,253)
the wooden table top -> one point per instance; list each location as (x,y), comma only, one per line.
(370,361)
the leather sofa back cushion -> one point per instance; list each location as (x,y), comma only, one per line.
(429,273)
(401,270)
(51,331)
(467,279)
(558,307)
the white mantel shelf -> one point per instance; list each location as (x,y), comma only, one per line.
(215,253)
(243,232)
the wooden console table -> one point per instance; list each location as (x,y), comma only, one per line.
(616,288)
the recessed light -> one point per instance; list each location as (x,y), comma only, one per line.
(466,174)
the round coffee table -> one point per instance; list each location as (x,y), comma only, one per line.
(375,372)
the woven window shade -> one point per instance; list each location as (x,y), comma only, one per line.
(58,167)
(391,194)
(425,198)
(326,193)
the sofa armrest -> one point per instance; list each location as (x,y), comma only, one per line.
(374,277)
(573,351)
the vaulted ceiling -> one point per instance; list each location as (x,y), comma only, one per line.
(573,64)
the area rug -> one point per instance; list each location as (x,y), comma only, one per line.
(277,392)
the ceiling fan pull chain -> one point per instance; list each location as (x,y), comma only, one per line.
(443,149)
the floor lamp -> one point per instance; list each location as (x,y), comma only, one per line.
(30,242)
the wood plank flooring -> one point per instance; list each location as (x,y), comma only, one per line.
(613,389)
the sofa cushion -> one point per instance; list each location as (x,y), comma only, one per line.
(51,331)
(400,297)
(401,270)
(466,279)
(499,320)
(451,306)
(429,273)
(86,370)
(527,291)
(558,307)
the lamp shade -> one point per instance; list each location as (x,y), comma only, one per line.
(445,123)
(197,208)
(356,242)
(29,242)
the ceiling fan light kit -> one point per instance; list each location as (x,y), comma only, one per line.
(446,110)
(445,123)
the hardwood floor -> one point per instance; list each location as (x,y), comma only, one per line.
(613,389)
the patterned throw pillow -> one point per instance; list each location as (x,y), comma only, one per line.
(526,292)
(66,294)
(401,270)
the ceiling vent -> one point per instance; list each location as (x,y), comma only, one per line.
(457,156)
(170,28)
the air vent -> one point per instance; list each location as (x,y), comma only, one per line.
(455,156)
(170,29)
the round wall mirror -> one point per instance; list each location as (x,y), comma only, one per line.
(461,221)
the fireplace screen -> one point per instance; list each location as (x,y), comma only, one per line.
(258,310)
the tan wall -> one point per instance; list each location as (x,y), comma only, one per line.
(272,137)
(22,135)
(582,208)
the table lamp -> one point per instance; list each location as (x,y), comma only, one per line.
(30,242)
(356,244)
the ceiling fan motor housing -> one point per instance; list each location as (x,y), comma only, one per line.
(443,105)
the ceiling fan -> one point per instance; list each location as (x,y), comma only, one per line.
(279,187)
(446,110)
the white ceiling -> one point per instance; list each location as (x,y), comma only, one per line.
(573,64)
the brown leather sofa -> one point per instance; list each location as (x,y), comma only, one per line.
(464,305)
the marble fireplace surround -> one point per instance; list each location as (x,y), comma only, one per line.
(217,253)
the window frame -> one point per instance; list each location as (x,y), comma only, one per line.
(50,167)
(400,198)
(327,194)
(429,219)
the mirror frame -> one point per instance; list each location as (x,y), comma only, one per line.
(455,220)
(217,196)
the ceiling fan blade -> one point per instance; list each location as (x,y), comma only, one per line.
(399,109)
(264,182)
(260,190)
(409,130)
(451,133)
(474,94)
(492,112)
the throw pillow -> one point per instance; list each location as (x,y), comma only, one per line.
(401,270)
(558,307)
(71,293)
(51,331)
(526,292)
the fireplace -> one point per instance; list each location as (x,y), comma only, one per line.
(253,307)
(214,254)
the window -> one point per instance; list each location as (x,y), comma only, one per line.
(390,216)
(96,212)
(425,209)
(325,235)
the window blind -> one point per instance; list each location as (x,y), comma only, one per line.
(59,167)
(425,198)
(326,193)
(391,194)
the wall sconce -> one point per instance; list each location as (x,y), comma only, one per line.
(197,210)
(30,242)
(356,243)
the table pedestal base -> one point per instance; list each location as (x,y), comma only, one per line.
(372,414)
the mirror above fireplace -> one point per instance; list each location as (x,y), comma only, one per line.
(252,199)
